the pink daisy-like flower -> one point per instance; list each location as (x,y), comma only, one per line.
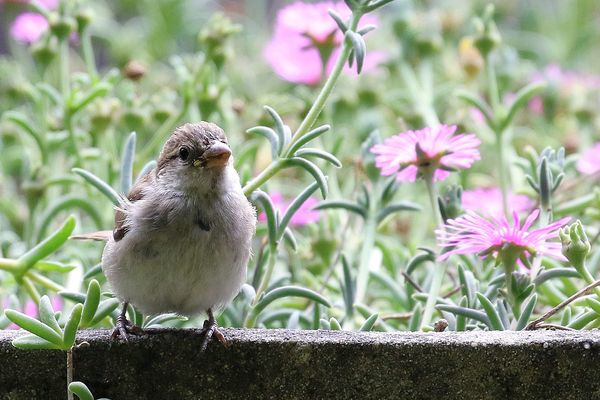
(474,234)
(488,201)
(411,152)
(589,162)
(304,215)
(304,32)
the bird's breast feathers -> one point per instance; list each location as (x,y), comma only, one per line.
(183,256)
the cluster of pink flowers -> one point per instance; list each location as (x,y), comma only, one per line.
(566,79)
(411,153)
(303,216)
(488,201)
(407,154)
(304,33)
(474,234)
(28,27)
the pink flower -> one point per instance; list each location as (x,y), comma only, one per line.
(474,234)
(589,162)
(536,105)
(304,215)
(438,148)
(28,27)
(477,116)
(304,33)
(488,202)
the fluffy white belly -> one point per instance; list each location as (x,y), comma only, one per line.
(178,268)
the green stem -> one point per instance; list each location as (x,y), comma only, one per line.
(66,96)
(69,372)
(494,92)
(264,176)
(30,289)
(502,173)
(368,239)
(250,320)
(497,109)
(264,282)
(509,258)
(88,55)
(587,277)
(9,264)
(319,103)
(64,69)
(42,280)
(433,198)
(68,122)
(439,270)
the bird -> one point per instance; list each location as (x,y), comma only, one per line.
(183,234)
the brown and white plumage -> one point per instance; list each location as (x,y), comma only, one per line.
(182,237)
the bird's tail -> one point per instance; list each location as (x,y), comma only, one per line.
(102,236)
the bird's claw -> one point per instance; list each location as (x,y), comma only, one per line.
(124,328)
(209,330)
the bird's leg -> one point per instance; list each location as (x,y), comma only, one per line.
(209,329)
(124,327)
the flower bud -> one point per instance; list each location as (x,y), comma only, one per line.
(214,36)
(451,202)
(134,70)
(134,119)
(44,51)
(575,244)
(61,26)
(520,286)
(102,113)
(83,18)
(487,37)
(469,57)
(427,45)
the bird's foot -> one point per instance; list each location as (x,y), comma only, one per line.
(124,328)
(209,330)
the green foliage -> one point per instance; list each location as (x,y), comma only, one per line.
(77,134)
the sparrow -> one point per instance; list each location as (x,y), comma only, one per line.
(182,236)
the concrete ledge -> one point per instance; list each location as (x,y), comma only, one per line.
(281,364)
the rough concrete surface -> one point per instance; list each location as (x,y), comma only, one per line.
(283,364)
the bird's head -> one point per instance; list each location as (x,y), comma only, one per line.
(196,157)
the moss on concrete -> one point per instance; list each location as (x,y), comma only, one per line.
(282,364)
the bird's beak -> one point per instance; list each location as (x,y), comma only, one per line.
(217,155)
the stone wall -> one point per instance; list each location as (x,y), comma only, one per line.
(283,364)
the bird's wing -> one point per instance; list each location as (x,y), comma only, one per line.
(135,194)
(102,236)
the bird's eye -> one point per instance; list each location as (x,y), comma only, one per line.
(184,153)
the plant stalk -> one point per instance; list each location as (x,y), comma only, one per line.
(319,104)
(439,270)
(88,55)
(69,372)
